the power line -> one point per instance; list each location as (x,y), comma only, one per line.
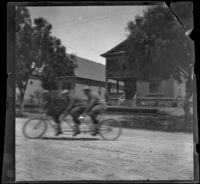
(89,18)
(72,20)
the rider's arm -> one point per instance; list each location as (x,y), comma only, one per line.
(46,102)
(90,105)
(70,105)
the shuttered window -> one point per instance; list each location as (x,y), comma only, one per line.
(155,87)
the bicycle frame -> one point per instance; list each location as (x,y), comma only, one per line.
(89,126)
(83,120)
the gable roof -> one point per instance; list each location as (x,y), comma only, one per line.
(118,49)
(90,70)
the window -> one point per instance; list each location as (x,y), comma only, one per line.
(68,85)
(124,66)
(99,91)
(112,65)
(64,86)
(109,87)
(155,87)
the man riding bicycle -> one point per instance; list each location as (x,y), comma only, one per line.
(54,107)
(93,108)
(74,107)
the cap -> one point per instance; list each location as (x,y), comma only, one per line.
(86,88)
(65,92)
(45,91)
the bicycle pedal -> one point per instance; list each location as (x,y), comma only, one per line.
(75,134)
(58,133)
(95,134)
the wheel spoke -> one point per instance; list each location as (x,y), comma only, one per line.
(110,129)
(34,128)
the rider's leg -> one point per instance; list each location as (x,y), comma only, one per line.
(76,112)
(95,111)
(58,124)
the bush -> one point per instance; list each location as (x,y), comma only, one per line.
(175,104)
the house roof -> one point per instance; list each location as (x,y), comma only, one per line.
(86,69)
(36,77)
(90,70)
(118,49)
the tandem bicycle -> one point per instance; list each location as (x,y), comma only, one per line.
(109,129)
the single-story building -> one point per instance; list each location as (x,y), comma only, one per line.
(88,73)
(33,91)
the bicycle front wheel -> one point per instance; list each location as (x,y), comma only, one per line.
(34,128)
(110,129)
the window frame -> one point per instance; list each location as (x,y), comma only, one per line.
(157,93)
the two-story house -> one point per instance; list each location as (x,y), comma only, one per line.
(149,91)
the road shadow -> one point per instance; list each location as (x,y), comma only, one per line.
(70,139)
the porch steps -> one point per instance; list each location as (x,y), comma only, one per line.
(127,103)
(138,110)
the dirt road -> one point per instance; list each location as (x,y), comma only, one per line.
(137,155)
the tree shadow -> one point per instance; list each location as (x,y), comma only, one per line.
(70,139)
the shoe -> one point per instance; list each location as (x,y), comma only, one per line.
(96,131)
(58,131)
(76,131)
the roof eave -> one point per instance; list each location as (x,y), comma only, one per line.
(117,46)
(113,54)
(66,76)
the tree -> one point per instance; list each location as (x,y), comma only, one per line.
(160,47)
(51,59)
(23,49)
(38,51)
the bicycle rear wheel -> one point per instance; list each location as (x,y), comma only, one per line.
(34,128)
(110,129)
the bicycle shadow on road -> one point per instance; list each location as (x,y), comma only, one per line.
(70,139)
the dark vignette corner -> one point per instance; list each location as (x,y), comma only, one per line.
(8,174)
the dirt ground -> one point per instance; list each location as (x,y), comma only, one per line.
(136,155)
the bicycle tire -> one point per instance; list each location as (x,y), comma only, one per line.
(114,125)
(27,125)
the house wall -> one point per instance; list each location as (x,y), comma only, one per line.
(33,86)
(167,88)
(79,84)
(171,90)
(179,89)
(141,88)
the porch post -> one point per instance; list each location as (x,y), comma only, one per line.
(106,85)
(117,86)
(106,73)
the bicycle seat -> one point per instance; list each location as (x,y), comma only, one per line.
(81,117)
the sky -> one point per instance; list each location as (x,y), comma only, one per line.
(88,31)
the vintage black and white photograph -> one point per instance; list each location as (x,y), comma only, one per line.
(104,92)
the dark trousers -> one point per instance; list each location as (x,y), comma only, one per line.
(95,111)
(55,116)
(56,119)
(76,112)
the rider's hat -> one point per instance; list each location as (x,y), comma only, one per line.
(45,91)
(63,92)
(87,88)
